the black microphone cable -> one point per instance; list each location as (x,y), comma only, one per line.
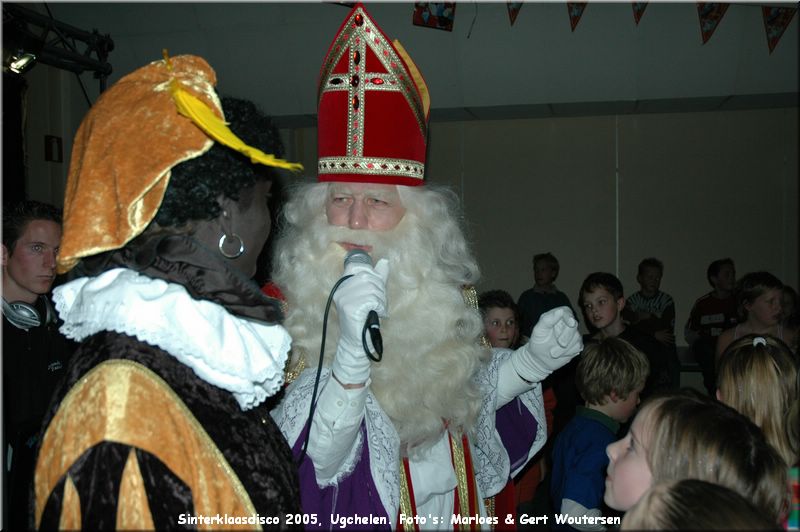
(377,342)
(372,325)
(319,367)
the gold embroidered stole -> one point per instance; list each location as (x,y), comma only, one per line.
(466,490)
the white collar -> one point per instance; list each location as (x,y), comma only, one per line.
(245,357)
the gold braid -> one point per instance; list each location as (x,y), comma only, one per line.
(471,299)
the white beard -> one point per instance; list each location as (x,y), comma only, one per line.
(430,337)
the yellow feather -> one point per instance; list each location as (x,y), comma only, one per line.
(198,112)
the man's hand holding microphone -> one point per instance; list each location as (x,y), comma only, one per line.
(365,291)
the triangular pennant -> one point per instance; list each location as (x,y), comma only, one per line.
(638,10)
(439,15)
(710,14)
(513,10)
(575,10)
(776,19)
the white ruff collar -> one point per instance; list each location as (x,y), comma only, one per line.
(242,356)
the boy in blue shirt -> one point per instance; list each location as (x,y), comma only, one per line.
(610,376)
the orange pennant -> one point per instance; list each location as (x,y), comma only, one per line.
(638,11)
(776,19)
(710,14)
(513,10)
(575,10)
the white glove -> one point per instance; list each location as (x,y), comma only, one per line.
(554,341)
(355,297)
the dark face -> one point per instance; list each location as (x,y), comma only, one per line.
(649,280)
(251,221)
(544,273)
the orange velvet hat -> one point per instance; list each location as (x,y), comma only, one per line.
(372,106)
(151,120)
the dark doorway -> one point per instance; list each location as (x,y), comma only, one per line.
(14,89)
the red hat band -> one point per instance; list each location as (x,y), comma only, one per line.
(372,108)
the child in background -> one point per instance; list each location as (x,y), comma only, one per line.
(500,321)
(710,315)
(610,376)
(500,318)
(652,312)
(544,295)
(759,298)
(602,299)
(715,311)
(790,314)
(789,303)
(692,504)
(793,424)
(758,376)
(688,435)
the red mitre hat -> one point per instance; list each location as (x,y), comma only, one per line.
(372,106)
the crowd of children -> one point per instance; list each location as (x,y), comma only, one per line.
(725,460)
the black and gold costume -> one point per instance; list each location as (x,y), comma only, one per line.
(145,438)
(141,441)
(163,419)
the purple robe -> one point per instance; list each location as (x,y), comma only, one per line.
(357,495)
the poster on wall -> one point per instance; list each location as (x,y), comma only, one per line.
(438,15)
(776,19)
(710,14)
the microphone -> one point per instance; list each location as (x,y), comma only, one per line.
(355,257)
(352,261)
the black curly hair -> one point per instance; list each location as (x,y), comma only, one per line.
(195,185)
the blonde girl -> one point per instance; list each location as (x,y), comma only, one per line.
(757,375)
(687,435)
(692,504)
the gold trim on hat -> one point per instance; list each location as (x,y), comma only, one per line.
(371,166)
(354,39)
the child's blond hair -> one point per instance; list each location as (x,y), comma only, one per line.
(691,504)
(612,364)
(688,435)
(757,375)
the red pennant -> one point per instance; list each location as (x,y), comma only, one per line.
(513,10)
(439,15)
(710,14)
(776,19)
(575,10)
(638,10)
